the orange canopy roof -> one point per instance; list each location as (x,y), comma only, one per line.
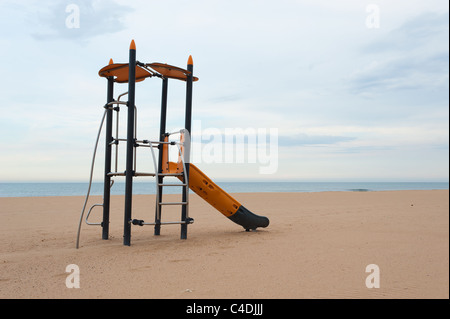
(120,72)
(170,71)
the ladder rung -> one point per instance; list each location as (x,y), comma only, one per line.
(116,174)
(135,174)
(171,223)
(173,203)
(139,222)
(172,184)
(144,174)
(170,174)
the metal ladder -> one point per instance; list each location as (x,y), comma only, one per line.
(184,184)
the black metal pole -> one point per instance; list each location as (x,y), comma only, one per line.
(162,132)
(130,146)
(187,140)
(108,147)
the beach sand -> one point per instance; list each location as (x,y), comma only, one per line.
(317,245)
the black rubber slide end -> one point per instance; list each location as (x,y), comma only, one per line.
(248,220)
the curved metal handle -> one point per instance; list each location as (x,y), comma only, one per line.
(89,212)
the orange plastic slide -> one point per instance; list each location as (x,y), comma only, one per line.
(204,187)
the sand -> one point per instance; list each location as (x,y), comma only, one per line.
(317,245)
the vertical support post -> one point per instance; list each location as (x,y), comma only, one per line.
(162,132)
(187,125)
(108,147)
(130,146)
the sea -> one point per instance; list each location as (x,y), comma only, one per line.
(118,188)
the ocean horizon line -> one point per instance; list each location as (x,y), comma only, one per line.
(43,189)
(368,180)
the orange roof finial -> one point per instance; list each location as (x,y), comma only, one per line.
(132,45)
(190,61)
(111,61)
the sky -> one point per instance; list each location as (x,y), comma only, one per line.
(347,90)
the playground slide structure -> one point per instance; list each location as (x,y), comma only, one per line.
(191,176)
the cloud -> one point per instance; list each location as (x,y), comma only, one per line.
(233,97)
(304,139)
(401,73)
(414,34)
(413,56)
(82,19)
